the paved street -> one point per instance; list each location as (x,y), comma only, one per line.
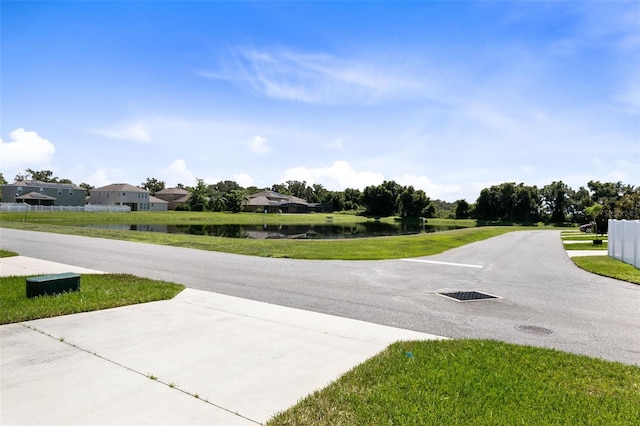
(544,300)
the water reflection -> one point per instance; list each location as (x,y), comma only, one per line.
(261,232)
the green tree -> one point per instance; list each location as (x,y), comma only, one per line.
(197,200)
(463,209)
(379,200)
(236,199)
(226,186)
(87,188)
(153,185)
(578,202)
(412,203)
(594,212)
(556,199)
(628,206)
(352,199)
(42,175)
(607,195)
(217,200)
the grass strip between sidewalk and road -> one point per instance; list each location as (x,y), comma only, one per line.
(608,267)
(461,382)
(96,292)
(7,253)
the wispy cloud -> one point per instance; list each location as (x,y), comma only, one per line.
(137,132)
(316,78)
(258,145)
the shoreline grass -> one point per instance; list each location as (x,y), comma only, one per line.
(608,267)
(373,248)
(97,291)
(460,382)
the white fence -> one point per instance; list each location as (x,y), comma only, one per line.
(22,207)
(624,241)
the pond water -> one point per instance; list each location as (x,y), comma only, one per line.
(316,231)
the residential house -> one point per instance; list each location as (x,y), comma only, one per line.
(273,202)
(123,194)
(36,192)
(173,196)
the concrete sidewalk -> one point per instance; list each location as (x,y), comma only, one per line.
(200,358)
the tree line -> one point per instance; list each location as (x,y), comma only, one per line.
(506,202)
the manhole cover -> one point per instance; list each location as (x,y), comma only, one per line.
(466,296)
(534,329)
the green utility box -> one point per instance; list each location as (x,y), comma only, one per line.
(52,284)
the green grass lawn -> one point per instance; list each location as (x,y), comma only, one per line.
(474,382)
(348,249)
(7,253)
(608,267)
(96,292)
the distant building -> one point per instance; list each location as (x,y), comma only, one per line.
(123,194)
(273,202)
(173,196)
(35,192)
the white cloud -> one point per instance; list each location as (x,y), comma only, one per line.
(98,178)
(336,177)
(243,179)
(433,190)
(25,149)
(178,172)
(258,145)
(137,132)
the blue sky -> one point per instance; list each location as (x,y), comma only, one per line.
(449,97)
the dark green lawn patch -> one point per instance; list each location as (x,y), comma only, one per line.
(608,267)
(96,292)
(7,253)
(464,382)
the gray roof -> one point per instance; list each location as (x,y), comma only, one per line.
(33,195)
(173,191)
(269,197)
(153,199)
(40,184)
(120,187)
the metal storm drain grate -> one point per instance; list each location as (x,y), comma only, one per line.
(466,296)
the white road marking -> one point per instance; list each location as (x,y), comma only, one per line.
(465,265)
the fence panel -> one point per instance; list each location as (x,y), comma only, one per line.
(23,207)
(624,241)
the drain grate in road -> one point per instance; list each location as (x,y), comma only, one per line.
(467,296)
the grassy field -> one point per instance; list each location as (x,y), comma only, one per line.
(96,292)
(348,249)
(464,382)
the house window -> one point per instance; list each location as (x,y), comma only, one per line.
(59,191)
(41,190)
(71,192)
(19,190)
(124,194)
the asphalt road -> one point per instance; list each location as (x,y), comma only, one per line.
(544,299)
